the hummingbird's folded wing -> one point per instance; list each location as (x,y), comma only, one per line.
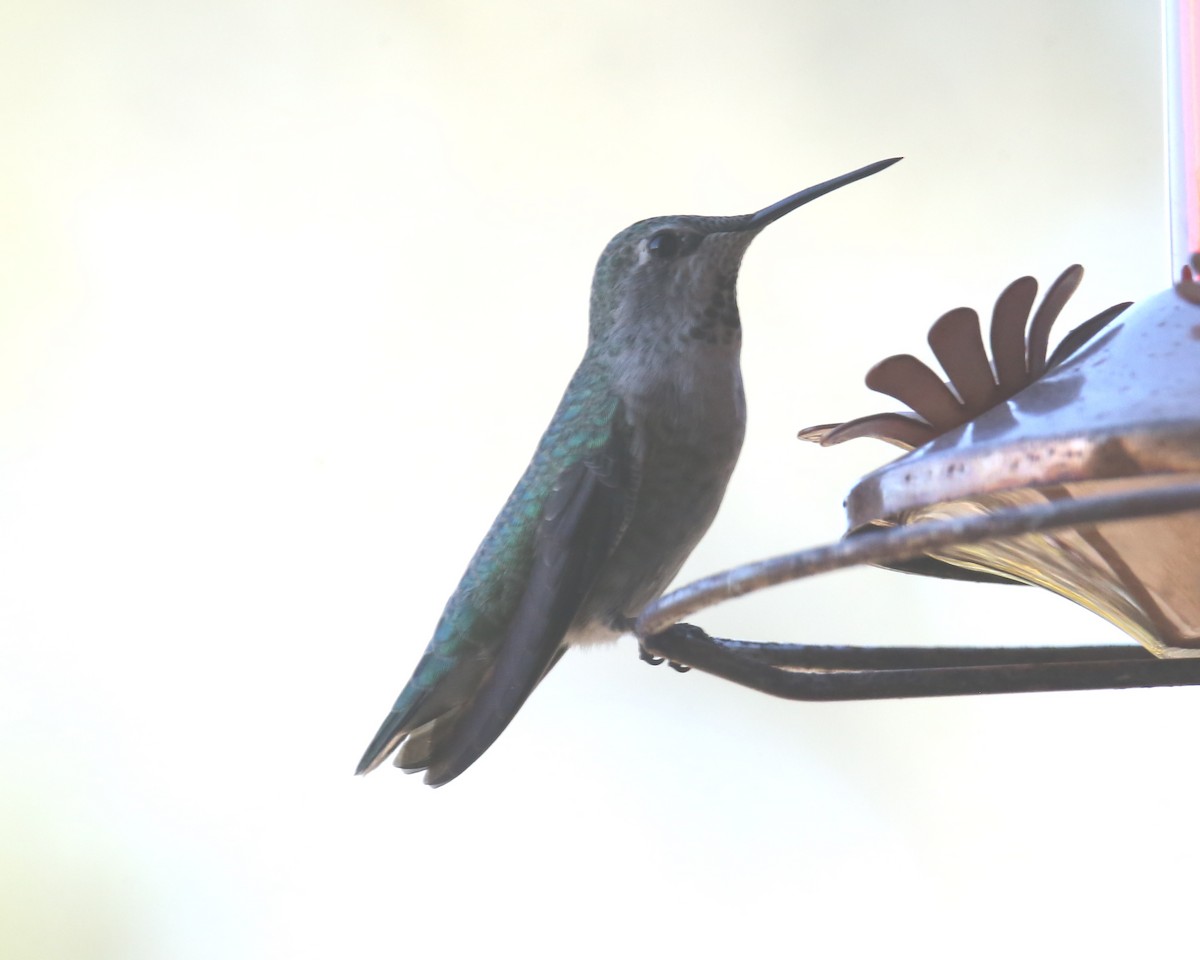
(581,524)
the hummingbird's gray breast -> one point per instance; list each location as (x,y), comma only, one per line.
(687,423)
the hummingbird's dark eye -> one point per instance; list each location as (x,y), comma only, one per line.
(666,245)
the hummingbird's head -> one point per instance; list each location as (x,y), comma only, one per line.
(674,278)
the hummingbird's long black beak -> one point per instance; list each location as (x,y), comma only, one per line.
(757,221)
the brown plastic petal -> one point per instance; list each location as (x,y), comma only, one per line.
(908,380)
(957,342)
(1051,306)
(898,429)
(1084,332)
(1008,333)
(818,432)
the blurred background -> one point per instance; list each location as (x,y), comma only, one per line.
(288,293)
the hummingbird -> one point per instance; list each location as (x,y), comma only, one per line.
(625,481)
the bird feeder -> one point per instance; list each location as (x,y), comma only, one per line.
(1076,470)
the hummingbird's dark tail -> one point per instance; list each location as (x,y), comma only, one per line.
(380,748)
(445,746)
(456,705)
(418,746)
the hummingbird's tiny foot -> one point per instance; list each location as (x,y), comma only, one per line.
(649,658)
(627,624)
(682,629)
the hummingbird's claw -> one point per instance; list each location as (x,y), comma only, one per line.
(654,660)
(648,657)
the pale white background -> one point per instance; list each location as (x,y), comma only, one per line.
(287,294)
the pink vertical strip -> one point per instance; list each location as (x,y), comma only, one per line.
(1181,63)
